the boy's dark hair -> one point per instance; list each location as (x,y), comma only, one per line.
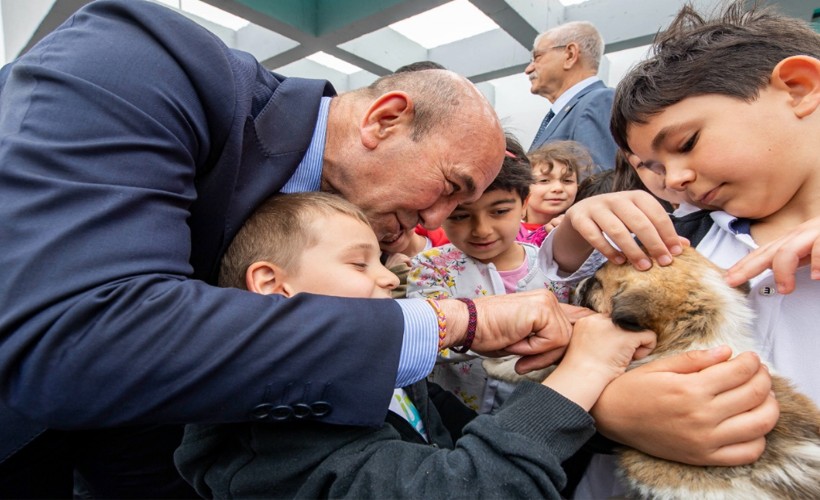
(516,173)
(571,153)
(595,184)
(625,178)
(278,231)
(732,55)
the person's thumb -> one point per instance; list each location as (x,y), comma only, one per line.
(690,361)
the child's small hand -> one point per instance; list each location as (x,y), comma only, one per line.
(552,224)
(598,353)
(783,256)
(618,215)
(696,408)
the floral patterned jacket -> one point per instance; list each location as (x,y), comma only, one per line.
(447,272)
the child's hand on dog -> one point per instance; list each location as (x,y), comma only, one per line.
(798,247)
(607,223)
(598,352)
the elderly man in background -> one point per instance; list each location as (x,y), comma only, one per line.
(563,70)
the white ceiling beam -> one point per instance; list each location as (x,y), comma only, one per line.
(262,42)
(387,48)
(508,19)
(482,53)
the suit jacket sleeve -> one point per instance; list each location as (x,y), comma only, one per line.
(515,453)
(127,153)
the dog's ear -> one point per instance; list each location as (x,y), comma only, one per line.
(629,310)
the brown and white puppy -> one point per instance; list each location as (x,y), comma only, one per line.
(689,306)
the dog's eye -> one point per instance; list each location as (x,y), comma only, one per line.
(584,291)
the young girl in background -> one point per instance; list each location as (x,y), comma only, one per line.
(557,168)
(484,257)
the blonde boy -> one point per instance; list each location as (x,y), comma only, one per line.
(414,454)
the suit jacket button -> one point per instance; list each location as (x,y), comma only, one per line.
(281,412)
(301,410)
(261,412)
(320,408)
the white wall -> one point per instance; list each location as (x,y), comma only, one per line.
(18,22)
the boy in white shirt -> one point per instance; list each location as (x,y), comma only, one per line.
(727,111)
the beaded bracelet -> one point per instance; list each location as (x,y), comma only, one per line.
(471,326)
(442,322)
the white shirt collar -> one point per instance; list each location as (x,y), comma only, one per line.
(571,92)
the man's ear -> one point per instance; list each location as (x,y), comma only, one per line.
(385,116)
(800,76)
(267,279)
(571,54)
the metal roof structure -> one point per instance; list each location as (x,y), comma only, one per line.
(352,42)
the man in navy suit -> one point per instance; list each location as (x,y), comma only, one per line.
(133,145)
(563,70)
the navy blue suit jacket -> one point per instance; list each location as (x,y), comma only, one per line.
(133,145)
(585,119)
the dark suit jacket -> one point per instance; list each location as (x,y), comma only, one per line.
(515,453)
(133,145)
(585,119)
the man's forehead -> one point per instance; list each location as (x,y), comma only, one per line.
(644,134)
(542,43)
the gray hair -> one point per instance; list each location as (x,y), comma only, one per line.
(583,33)
(437,94)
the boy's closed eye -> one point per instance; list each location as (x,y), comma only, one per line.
(361,255)
(690,143)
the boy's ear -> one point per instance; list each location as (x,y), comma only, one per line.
(267,279)
(385,116)
(800,76)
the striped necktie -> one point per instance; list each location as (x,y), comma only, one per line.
(543,126)
(546,121)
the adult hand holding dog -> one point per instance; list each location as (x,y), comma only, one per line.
(531,324)
(696,408)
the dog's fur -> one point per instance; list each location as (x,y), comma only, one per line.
(689,306)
